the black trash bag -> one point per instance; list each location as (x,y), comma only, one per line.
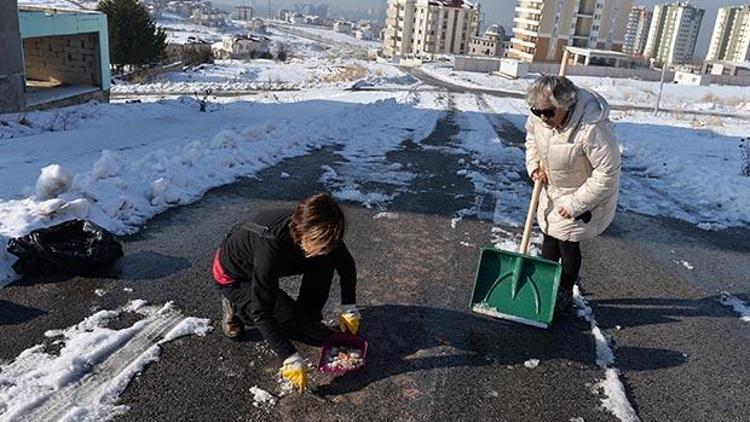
(72,247)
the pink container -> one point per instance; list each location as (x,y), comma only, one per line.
(341,340)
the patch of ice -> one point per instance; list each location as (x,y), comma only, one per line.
(386,215)
(455,221)
(284,175)
(531,363)
(687,265)
(100,292)
(737,305)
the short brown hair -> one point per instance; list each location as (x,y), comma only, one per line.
(318,223)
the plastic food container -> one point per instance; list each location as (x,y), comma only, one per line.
(342,340)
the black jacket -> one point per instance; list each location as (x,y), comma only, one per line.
(260,259)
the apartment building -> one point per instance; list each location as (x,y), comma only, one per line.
(425,28)
(489,45)
(730,41)
(242,13)
(543,28)
(636,33)
(673,33)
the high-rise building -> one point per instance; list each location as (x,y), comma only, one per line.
(731,37)
(636,33)
(673,33)
(424,28)
(543,28)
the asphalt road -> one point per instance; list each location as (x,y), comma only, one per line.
(682,355)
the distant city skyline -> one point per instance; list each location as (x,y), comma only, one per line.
(501,11)
(498,11)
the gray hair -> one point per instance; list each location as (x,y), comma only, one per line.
(558,90)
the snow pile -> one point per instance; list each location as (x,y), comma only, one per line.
(615,400)
(509,241)
(531,363)
(737,305)
(93,366)
(53,181)
(121,173)
(262,397)
(386,215)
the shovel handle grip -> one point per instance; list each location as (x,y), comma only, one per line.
(530,217)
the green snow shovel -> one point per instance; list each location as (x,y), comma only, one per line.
(516,286)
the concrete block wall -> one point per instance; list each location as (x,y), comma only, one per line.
(71,59)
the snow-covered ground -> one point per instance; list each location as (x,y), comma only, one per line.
(256,75)
(674,165)
(337,37)
(727,99)
(310,65)
(84,379)
(135,160)
(61,4)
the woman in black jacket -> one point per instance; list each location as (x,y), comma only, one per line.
(278,243)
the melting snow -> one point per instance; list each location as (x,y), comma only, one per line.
(531,363)
(84,379)
(262,397)
(615,400)
(737,305)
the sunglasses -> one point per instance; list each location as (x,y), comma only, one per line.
(548,113)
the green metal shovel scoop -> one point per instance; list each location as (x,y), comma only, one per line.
(516,286)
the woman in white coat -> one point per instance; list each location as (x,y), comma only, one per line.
(571,148)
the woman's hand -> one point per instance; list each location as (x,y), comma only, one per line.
(539,175)
(564,213)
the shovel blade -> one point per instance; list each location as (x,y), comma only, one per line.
(516,287)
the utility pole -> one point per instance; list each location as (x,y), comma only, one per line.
(661,88)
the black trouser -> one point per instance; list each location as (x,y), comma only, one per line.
(317,277)
(570,254)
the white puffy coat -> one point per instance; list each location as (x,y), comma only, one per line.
(582,160)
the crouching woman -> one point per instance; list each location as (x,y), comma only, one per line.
(308,240)
(571,149)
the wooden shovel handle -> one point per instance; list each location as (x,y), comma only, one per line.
(530,217)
